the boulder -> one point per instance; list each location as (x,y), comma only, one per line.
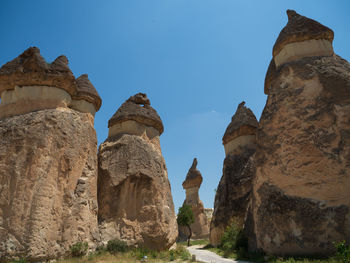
(192,183)
(134,194)
(301,197)
(233,193)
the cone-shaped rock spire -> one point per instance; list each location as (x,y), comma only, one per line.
(138,108)
(302,37)
(243,117)
(193,177)
(300,28)
(86,91)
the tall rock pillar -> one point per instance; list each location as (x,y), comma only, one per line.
(48,158)
(301,201)
(233,193)
(192,183)
(134,194)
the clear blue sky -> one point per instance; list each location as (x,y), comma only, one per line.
(196,60)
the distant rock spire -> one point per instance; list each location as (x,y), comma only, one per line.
(193,177)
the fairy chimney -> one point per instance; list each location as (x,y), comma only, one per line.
(48,161)
(301,197)
(241,131)
(233,192)
(135,201)
(192,183)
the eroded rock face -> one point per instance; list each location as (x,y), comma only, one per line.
(48,159)
(192,183)
(301,196)
(234,190)
(28,83)
(48,179)
(134,194)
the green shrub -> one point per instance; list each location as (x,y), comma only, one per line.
(179,252)
(79,249)
(234,239)
(116,245)
(21,260)
(343,252)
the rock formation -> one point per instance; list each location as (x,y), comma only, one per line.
(192,183)
(48,160)
(134,195)
(233,193)
(301,191)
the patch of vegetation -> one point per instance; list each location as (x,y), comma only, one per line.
(118,251)
(343,252)
(233,240)
(79,249)
(21,260)
(115,246)
(234,245)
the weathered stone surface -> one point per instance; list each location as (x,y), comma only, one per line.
(48,183)
(28,83)
(233,193)
(138,108)
(192,183)
(301,196)
(30,68)
(299,29)
(86,91)
(134,194)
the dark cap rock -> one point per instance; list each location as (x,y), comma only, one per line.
(193,177)
(243,122)
(30,68)
(300,28)
(138,108)
(86,91)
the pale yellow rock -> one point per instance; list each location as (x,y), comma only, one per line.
(240,141)
(136,128)
(26,99)
(83,106)
(308,48)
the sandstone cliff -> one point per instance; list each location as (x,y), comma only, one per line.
(48,160)
(301,191)
(134,194)
(233,193)
(192,183)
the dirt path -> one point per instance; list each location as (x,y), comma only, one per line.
(206,256)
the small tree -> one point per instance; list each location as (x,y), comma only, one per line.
(185,218)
